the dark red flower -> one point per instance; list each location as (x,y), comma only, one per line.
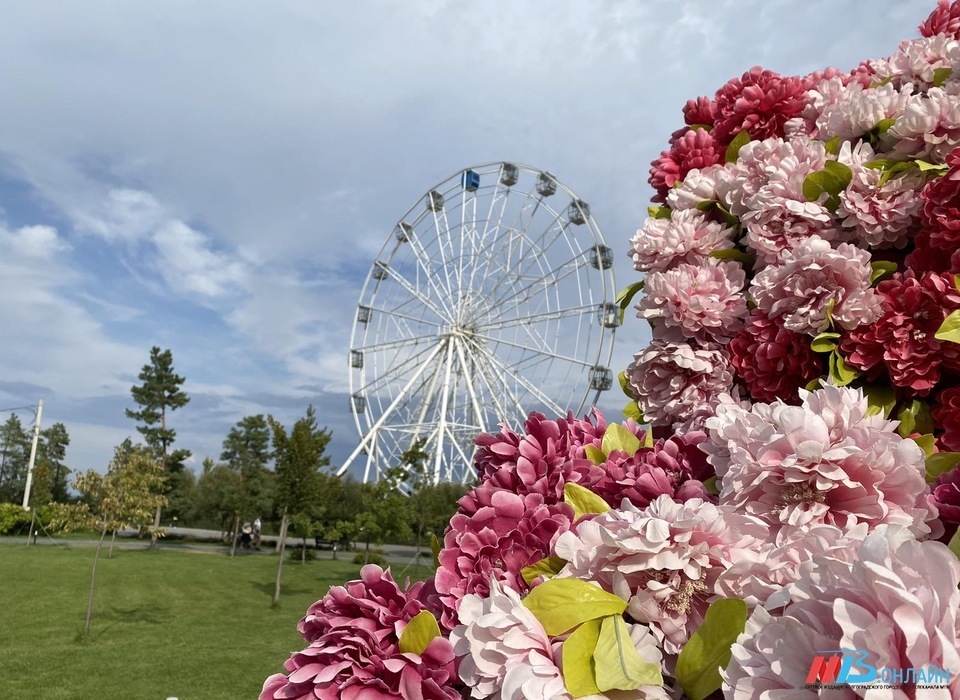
(696,148)
(759,102)
(941,208)
(946,417)
(701,111)
(946,496)
(944,20)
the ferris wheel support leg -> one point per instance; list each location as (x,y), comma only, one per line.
(442,427)
(371,434)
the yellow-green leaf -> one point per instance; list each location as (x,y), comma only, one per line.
(881,269)
(595,454)
(656,212)
(632,410)
(881,399)
(814,384)
(617,662)
(436,545)
(625,384)
(883,126)
(927,443)
(840,372)
(915,417)
(548,567)
(583,500)
(950,328)
(619,438)
(418,633)
(711,486)
(833,146)
(825,342)
(648,438)
(941,75)
(831,304)
(578,651)
(708,651)
(956,282)
(941,463)
(561,604)
(626,295)
(954,544)
(736,255)
(733,150)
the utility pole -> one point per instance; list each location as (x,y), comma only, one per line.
(33,456)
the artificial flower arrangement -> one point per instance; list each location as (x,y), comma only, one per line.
(786,528)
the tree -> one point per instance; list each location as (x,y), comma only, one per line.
(125,495)
(51,453)
(246,450)
(217,495)
(14,459)
(158,395)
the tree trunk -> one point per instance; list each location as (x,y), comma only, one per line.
(366,554)
(33,524)
(113,538)
(283,545)
(236,532)
(156,527)
(303,551)
(93,580)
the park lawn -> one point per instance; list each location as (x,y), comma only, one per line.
(195,626)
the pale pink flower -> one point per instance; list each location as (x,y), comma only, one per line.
(917,60)
(811,279)
(855,110)
(687,236)
(677,383)
(776,224)
(700,185)
(702,301)
(929,128)
(823,461)
(896,599)
(664,560)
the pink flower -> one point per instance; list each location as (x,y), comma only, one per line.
(703,301)
(814,279)
(946,496)
(916,61)
(664,560)
(696,148)
(760,102)
(495,533)
(825,461)
(677,383)
(702,110)
(700,185)
(941,207)
(946,417)
(902,340)
(771,361)
(687,236)
(929,127)
(854,110)
(943,20)
(354,633)
(885,601)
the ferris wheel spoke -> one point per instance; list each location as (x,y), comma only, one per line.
(431,275)
(396,371)
(398,343)
(486,226)
(490,370)
(403,282)
(539,318)
(548,402)
(549,351)
(468,376)
(443,257)
(536,286)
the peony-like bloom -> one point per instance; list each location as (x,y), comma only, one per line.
(687,236)
(929,127)
(700,185)
(941,207)
(854,110)
(825,461)
(943,20)
(946,496)
(902,340)
(495,533)
(354,632)
(664,560)
(703,301)
(677,383)
(815,279)
(885,601)
(771,361)
(701,111)
(696,148)
(760,102)
(917,61)
(946,417)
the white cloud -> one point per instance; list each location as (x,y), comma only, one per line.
(188,264)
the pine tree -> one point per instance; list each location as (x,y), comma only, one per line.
(158,395)
(14,459)
(246,450)
(51,453)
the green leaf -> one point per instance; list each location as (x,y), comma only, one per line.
(658,212)
(595,454)
(825,342)
(840,171)
(881,399)
(619,438)
(625,384)
(548,567)
(814,384)
(700,660)
(561,604)
(706,205)
(881,269)
(733,150)
(711,486)
(735,254)
(830,307)
(833,146)
(583,501)
(941,463)
(832,180)
(648,438)
(915,417)
(632,410)
(626,295)
(840,372)
(956,282)
(705,127)
(578,659)
(941,75)
(418,633)
(617,662)
(436,545)
(954,544)
(927,443)
(883,126)
(926,167)
(950,328)
(879,164)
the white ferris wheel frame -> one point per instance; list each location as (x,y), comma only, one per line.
(458,321)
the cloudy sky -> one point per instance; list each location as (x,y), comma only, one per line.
(216,178)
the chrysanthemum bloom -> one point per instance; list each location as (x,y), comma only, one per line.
(700,185)
(856,109)
(929,127)
(354,633)
(696,148)
(823,461)
(916,61)
(702,111)
(760,102)
(496,533)
(771,361)
(687,236)
(941,207)
(946,496)
(946,416)
(943,20)
(878,216)
(664,560)
(677,383)
(896,600)
(505,653)
(902,340)
(703,301)
(815,279)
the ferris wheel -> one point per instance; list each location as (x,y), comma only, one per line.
(491,298)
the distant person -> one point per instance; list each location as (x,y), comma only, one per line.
(245,536)
(256,533)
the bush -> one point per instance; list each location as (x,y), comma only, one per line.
(371,558)
(13,519)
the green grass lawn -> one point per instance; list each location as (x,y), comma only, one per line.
(194,626)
